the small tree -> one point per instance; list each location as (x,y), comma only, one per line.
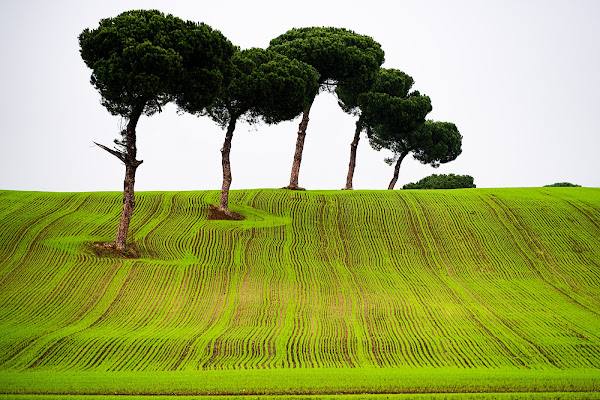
(140,61)
(340,56)
(266,86)
(395,87)
(431,143)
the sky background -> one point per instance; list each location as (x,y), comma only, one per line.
(520,79)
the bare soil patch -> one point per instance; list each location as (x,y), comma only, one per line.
(215,214)
(109,249)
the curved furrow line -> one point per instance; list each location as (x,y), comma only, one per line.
(338,334)
(148,207)
(205,318)
(513,349)
(490,288)
(27,216)
(591,214)
(520,335)
(279,296)
(526,233)
(384,281)
(18,218)
(415,326)
(159,236)
(209,339)
(427,235)
(354,292)
(20,262)
(512,219)
(266,317)
(67,299)
(241,302)
(373,307)
(68,317)
(355,279)
(292,250)
(157,312)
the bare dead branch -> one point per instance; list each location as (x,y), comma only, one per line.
(118,154)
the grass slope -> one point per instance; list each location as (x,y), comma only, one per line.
(478,290)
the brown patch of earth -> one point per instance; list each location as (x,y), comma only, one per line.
(109,249)
(215,214)
(293,188)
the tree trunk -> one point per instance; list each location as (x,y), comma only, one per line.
(223,204)
(299,147)
(352,164)
(397,171)
(131,165)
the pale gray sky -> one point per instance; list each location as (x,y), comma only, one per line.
(519,78)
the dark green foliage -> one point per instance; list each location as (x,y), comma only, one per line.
(266,86)
(339,55)
(563,184)
(390,108)
(449,181)
(144,59)
(431,143)
(392,82)
(438,143)
(207,67)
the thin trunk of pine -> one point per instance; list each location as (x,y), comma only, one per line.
(299,147)
(131,165)
(352,165)
(224,202)
(397,171)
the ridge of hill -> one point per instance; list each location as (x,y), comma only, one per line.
(469,280)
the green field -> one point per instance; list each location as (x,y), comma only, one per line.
(456,294)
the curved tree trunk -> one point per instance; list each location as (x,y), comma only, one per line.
(397,171)
(352,164)
(299,147)
(131,165)
(224,202)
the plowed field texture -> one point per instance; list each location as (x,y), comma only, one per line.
(456,294)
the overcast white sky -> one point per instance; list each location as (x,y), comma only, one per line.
(520,79)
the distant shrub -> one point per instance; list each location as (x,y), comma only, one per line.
(563,184)
(449,181)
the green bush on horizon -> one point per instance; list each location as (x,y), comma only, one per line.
(443,181)
(563,184)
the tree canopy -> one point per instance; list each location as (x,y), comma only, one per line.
(266,86)
(339,55)
(389,107)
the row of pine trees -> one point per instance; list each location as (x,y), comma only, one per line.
(142,60)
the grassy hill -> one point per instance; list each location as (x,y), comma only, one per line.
(475,290)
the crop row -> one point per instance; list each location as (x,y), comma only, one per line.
(470,278)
